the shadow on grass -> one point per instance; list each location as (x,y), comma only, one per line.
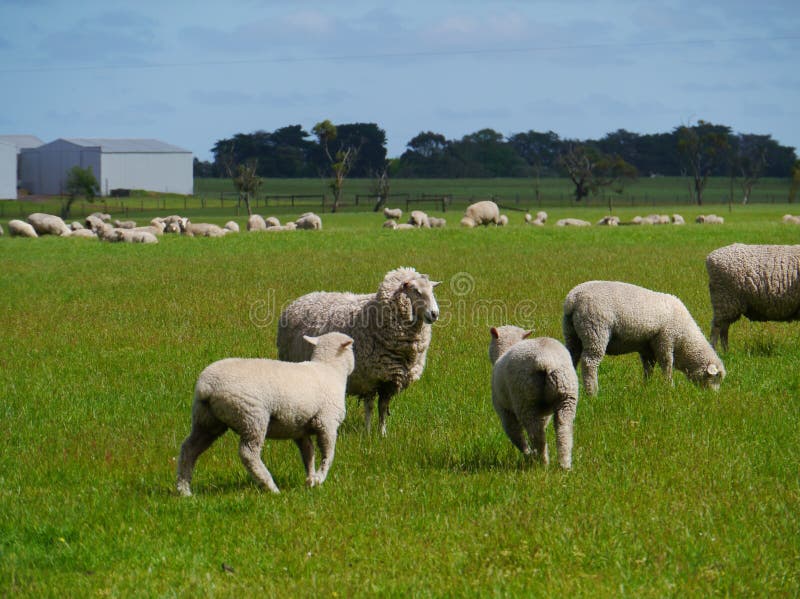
(477,459)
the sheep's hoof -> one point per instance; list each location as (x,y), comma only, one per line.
(184,490)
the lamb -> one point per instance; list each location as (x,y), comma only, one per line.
(125,224)
(419,219)
(309,220)
(532,380)
(48,224)
(393,213)
(609,317)
(573,222)
(436,223)
(485,212)
(467,222)
(677,219)
(101,216)
(203,230)
(791,220)
(391,328)
(19,228)
(539,221)
(761,282)
(609,221)
(255,222)
(390,224)
(232,226)
(502,221)
(261,399)
(272,221)
(84,233)
(709,219)
(286,227)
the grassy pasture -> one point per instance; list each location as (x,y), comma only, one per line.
(674,491)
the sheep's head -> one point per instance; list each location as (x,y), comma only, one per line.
(710,376)
(412,293)
(503,338)
(331,347)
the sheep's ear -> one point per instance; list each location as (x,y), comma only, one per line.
(435,283)
(527,334)
(494,332)
(311,340)
(712,370)
(346,344)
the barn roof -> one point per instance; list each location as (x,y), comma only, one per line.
(112,146)
(22,141)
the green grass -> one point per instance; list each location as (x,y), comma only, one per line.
(674,491)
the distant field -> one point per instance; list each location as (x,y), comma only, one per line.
(674,492)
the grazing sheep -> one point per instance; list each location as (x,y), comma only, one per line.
(419,219)
(309,220)
(502,221)
(393,213)
(467,222)
(391,328)
(19,228)
(48,224)
(101,216)
(256,222)
(272,221)
(203,230)
(532,380)
(539,221)
(232,226)
(266,399)
(609,221)
(709,219)
(436,223)
(609,317)
(761,282)
(389,224)
(125,224)
(677,219)
(485,212)
(573,222)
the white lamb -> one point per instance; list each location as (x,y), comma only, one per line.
(391,328)
(272,221)
(572,222)
(502,221)
(309,220)
(609,221)
(19,228)
(261,399)
(609,317)
(436,223)
(393,213)
(539,221)
(532,380)
(232,226)
(677,219)
(761,282)
(485,212)
(48,224)
(255,222)
(419,219)
(709,219)
(203,230)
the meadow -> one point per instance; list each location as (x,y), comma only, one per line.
(674,491)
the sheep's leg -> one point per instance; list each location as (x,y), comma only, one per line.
(648,359)
(206,429)
(369,404)
(563,423)
(306,446)
(513,430)
(724,335)
(537,430)
(589,364)
(326,439)
(385,394)
(665,361)
(250,453)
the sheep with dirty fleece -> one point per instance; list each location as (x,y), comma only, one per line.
(19,228)
(391,329)
(760,282)
(49,224)
(614,318)
(267,399)
(532,381)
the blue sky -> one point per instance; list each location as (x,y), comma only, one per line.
(191,73)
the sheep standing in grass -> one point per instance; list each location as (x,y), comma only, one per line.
(309,220)
(268,399)
(393,213)
(419,219)
(48,224)
(532,380)
(19,228)
(255,222)
(485,212)
(761,282)
(609,317)
(391,328)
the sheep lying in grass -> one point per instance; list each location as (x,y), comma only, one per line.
(19,228)
(609,221)
(572,222)
(393,213)
(609,317)
(84,234)
(203,230)
(760,282)
(419,219)
(309,220)
(272,221)
(539,221)
(532,380)
(436,223)
(391,328)
(232,226)
(709,219)
(485,212)
(48,224)
(125,224)
(268,399)
(255,222)
(389,223)
(791,220)
(677,219)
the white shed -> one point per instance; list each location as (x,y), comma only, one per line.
(19,143)
(147,164)
(8,171)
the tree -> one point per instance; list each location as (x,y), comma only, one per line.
(80,181)
(704,148)
(794,185)
(749,159)
(247,182)
(341,162)
(589,170)
(539,150)
(380,188)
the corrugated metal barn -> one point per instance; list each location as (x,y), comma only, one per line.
(8,171)
(147,164)
(18,143)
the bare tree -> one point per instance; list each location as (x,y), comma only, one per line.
(589,170)
(380,189)
(340,162)
(247,182)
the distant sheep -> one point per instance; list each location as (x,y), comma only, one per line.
(19,228)
(391,329)
(389,224)
(791,220)
(310,221)
(436,223)
(609,221)
(485,212)
(48,224)
(232,226)
(502,221)
(255,222)
(419,219)
(266,399)
(125,224)
(272,221)
(203,230)
(573,222)
(609,317)
(286,227)
(539,221)
(709,219)
(532,380)
(760,282)
(677,219)
(393,213)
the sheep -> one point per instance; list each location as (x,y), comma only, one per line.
(791,220)
(48,224)
(84,233)
(94,223)
(260,399)
(419,219)
(75,225)
(125,224)
(609,221)
(127,236)
(502,221)
(389,224)
(532,380)
(391,328)
(309,220)
(393,213)
(436,223)
(101,216)
(677,219)
(657,219)
(609,317)
(539,221)
(19,228)
(573,222)
(156,229)
(485,212)
(232,226)
(761,282)
(203,230)
(287,227)
(404,227)
(255,222)
(272,221)
(709,219)
(467,222)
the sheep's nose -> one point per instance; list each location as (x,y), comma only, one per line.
(434,315)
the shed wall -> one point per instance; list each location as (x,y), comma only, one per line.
(158,171)
(8,172)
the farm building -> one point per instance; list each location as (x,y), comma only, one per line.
(8,171)
(18,143)
(116,163)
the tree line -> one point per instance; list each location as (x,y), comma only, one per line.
(697,151)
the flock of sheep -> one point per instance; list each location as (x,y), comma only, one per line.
(375,345)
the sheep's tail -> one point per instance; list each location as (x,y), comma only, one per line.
(571,339)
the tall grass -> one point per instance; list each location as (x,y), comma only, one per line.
(674,490)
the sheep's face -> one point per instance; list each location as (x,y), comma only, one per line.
(420,300)
(503,338)
(711,376)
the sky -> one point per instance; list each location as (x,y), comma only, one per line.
(191,73)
